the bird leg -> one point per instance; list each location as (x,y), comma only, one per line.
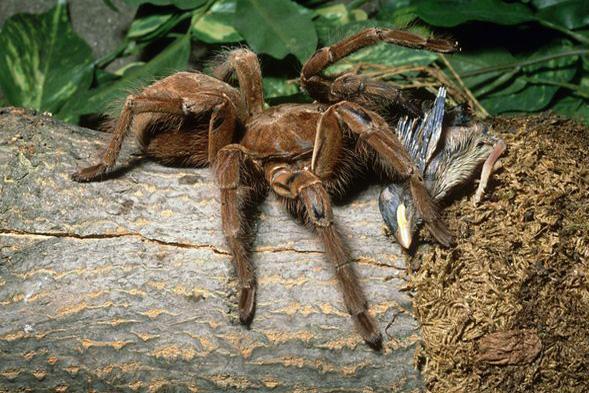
(313,203)
(392,156)
(498,149)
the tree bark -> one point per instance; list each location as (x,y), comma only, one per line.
(127,284)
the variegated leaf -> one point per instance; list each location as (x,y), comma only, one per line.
(173,58)
(216,25)
(43,63)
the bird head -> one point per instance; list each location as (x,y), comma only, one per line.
(463,151)
(399,213)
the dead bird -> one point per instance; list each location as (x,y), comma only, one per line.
(447,156)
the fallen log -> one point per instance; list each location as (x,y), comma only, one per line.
(127,285)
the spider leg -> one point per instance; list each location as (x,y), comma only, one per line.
(221,128)
(370,93)
(308,199)
(239,181)
(391,156)
(133,105)
(319,86)
(167,146)
(244,63)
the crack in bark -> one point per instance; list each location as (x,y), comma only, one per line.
(17,232)
(287,249)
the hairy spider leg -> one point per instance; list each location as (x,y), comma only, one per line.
(307,199)
(244,63)
(133,105)
(169,147)
(392,157)
(319,87)
(242,187)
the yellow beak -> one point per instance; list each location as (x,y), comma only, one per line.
(404,236)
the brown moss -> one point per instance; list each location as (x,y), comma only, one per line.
(521,264)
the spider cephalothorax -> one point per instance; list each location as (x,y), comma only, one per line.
(304,153)
(448,154)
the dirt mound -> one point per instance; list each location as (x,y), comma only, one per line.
(507,309)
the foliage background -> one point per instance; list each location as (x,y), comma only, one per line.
(518,56)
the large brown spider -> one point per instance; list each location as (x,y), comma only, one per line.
(304,153)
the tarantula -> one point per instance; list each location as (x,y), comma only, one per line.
(304,153)
(446,156)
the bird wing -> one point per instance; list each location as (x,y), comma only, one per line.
(432,130)
(421,137)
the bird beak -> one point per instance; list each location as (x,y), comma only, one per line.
(404,236)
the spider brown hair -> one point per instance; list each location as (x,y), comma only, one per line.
(305,154)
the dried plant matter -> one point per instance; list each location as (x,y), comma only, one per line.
(521,262)
(305,154)
(509,347)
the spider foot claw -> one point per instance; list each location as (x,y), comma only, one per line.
(367,327)
(247,301)
(374,342)
(89,174)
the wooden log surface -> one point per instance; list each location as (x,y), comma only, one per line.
(127,284)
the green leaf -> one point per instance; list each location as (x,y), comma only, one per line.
(466,64)
(173,58)
(561,69)
(340,14)
(450,13)
(540,4)
(505,85)
(124,70)
(148,24)
(404,17)
(279,87)
(531,99)
(573,107)
(102,77)
(543,81)
(277,27)
(182,4)
(571,14)
(42,61)
(331,19)
(216,25)
(393,5)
